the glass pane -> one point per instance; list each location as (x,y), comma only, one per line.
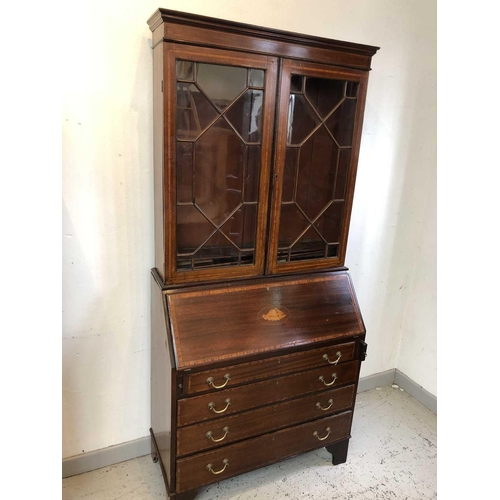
(292,223)
(219,155)
(344,159)
(184,172)
(352,89)
(283,255)
(217,251)
(296,83)
(256,78)
(318,160)
(333,251)
(310,246)
(289,173)
(185,70)
(301,119)
(222,84)
(183,263)
(194,112)
(240,227)
(218,164)
(341,122)
(329,224)
(247,258)
(246,115)
(321,119)
(192,229)
(251,182)
(324,94)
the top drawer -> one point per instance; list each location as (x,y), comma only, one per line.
(217,379)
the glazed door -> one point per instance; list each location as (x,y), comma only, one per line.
(219,141)
(319,131)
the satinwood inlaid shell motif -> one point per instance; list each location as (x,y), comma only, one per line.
(274,315)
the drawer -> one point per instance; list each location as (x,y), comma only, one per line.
(194,438)
(228,461)
(257,370)
(208,406)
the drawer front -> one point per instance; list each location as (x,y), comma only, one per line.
(208,406)
(194,438)
(209,380)
(193,472)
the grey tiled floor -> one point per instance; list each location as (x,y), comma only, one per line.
(392,455)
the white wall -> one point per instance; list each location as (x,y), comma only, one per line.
(108,211)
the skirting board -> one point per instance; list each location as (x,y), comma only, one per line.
(106,456)
(376,380)
(139,447)
(417,391)
(395,376)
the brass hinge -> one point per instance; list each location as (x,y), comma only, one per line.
(362,350)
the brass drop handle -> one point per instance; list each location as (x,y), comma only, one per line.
(210,381)
(315,433)
(338,354)
(225,462)
(210,436)
(319,407)
(334,378)
(211,406)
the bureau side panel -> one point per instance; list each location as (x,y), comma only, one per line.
(161,381)
(158,146)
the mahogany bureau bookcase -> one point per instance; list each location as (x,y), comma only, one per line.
(257,336)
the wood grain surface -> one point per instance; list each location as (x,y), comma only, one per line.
(224,323)
(192,471)
(193,439)
(269,367)
(196,409)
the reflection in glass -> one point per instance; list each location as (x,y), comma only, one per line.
(185,172)
(317,165)
(301,119)
(192,228)
(185,70)
(324,94)
(218,154)
(222,84)
(341,122)
(292,223)
(194,112)
(246,115)
(217,251)
(329,223)
(289,173)
(309,246)
(321,118)
(241,226)
(251,179)
(256,78)
(343,167)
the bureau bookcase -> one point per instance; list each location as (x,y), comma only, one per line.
(257,336)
